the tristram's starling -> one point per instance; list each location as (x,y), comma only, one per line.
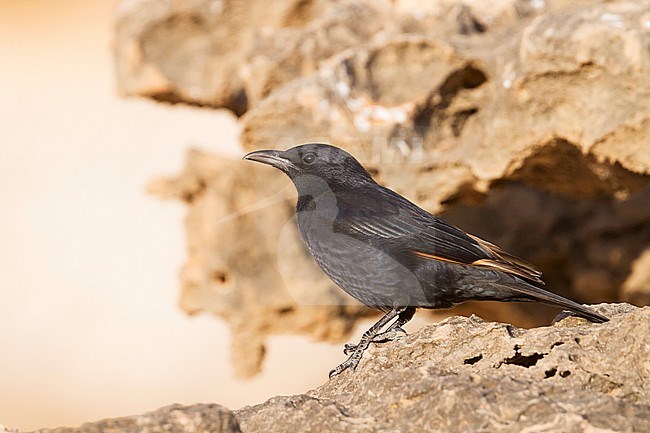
(389,253)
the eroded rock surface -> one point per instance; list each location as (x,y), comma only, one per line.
(525,122)
(198,418)
(462,374)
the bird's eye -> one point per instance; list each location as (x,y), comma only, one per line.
(309,158)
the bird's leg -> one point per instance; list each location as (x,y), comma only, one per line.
(393,332)
(367,337)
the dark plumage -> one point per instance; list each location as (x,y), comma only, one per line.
(389,253)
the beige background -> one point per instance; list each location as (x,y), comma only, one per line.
(89,323)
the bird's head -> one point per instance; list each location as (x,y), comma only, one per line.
(312,162)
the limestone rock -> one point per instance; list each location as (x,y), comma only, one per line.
(198,418)
(191,51)
(297,51)
(464,374)
(550,106)
(230,53)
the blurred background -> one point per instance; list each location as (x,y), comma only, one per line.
(89,319)
(525,122)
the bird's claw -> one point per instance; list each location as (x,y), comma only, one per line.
(352,362)
(338,370)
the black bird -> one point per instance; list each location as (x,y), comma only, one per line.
(389,253)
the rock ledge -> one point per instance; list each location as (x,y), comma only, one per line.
(459,375)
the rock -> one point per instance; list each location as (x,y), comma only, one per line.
(462,374)
(191,51)
(197,418)
(524,122)
(425,112)
(229,53)
(299,51)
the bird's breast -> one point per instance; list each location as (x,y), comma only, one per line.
(367,273)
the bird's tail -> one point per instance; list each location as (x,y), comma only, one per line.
(526,291)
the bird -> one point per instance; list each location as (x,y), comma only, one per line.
(392,255)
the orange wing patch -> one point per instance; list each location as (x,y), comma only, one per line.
(506,258)
(507,268)
(434,257)
(500,260)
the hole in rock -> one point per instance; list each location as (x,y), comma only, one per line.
(286,310)
(550,373)
(220,277)
(437,118)
(473,360)
(523,360)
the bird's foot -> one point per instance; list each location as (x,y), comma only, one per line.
(352,362)
(389,335)
(339,369)
(394,331)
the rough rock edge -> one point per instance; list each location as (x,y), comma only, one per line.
(175,418)
(465,374)
(462,374)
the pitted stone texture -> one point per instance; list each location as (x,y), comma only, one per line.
(231,53)
(464,374)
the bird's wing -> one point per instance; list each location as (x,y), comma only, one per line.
(380,216)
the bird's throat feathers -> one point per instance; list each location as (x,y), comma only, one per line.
(316,185)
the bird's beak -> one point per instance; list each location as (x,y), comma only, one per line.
(274,158)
